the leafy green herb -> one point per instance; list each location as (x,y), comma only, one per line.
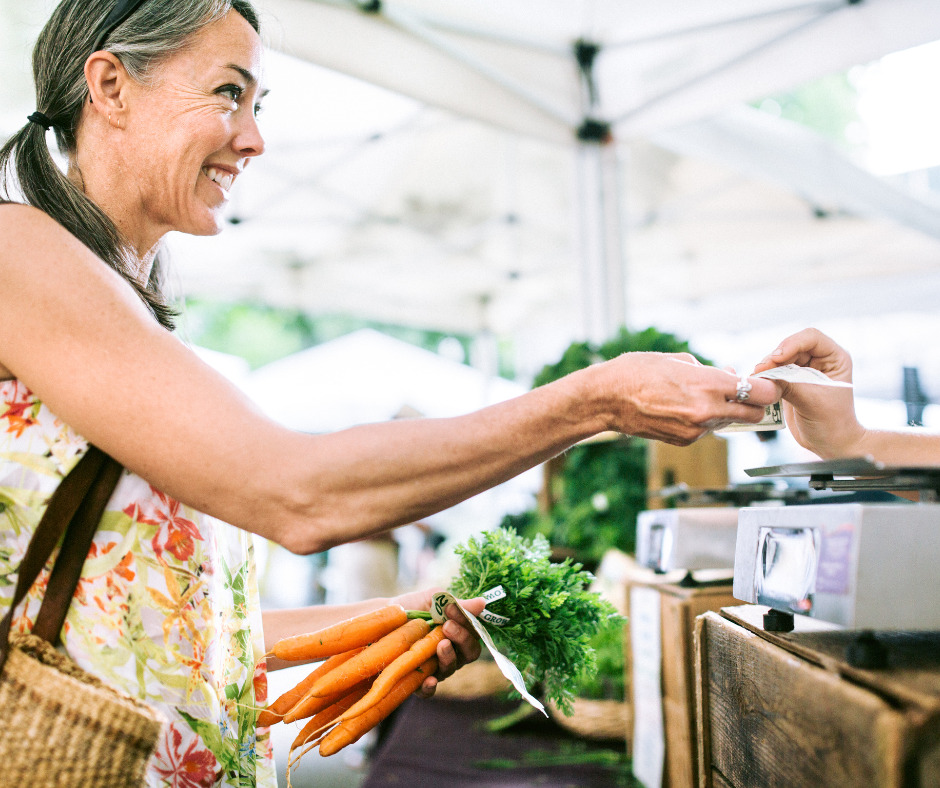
(607,682)
(552,615)
(594,496)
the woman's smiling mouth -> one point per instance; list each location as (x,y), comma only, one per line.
(221,177)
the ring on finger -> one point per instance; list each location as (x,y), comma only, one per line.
(743,391)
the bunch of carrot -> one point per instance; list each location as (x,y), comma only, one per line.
(373,662)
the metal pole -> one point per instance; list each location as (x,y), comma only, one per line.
(600,227)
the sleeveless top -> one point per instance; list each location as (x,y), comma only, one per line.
(167,607)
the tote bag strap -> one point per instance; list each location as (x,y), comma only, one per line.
(74,510)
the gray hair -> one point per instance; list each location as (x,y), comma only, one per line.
(157,30)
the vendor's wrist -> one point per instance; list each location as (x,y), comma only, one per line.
(861,444)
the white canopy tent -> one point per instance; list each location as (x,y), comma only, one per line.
(544,68)
(586,72)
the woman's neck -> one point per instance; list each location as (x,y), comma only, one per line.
(142,260)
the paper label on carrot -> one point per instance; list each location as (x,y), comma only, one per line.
(494,594)
(494,618)
(441,600)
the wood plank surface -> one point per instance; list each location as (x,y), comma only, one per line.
(680,607)
(777,721)
(912,677)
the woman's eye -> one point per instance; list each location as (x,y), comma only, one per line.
(258,109)
(233,92)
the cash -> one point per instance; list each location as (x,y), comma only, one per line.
(772,420)
(792,373)
(773,414)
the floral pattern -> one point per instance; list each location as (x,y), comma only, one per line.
(166,608)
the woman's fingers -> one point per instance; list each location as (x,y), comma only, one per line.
(671,400)
(759,393)
(460,646)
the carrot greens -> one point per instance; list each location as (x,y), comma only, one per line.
(552,616)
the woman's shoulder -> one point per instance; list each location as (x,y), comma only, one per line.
(14,212)
(25,221)
(29,235)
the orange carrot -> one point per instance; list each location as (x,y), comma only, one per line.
(353,632)
(276,711)
(349,731)
(333,685)
(328,715)
(311,705)
(411,660)
(372,659)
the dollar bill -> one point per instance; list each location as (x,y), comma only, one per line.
(772,420)
(773,414)
(792,373)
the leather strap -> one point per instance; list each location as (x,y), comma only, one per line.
(74,510)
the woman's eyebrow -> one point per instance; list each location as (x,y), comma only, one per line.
(248,77)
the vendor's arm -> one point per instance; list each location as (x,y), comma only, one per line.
(77,336)
(459,647)
(822,418)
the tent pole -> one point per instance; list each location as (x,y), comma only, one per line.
(603,281)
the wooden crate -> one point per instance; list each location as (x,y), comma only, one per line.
(664,745)
(701,466)
(786,710)
(616,575)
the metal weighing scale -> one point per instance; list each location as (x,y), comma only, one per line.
(865,566)
(701,533)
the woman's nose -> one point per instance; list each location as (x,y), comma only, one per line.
(250,141)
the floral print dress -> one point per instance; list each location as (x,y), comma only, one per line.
(166,608)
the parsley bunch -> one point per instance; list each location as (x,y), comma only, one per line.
(552,616)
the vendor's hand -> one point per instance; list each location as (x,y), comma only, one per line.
(821,418)
(673,398)
(462,645)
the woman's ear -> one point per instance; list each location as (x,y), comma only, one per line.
(107,86)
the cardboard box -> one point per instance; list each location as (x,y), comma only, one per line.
(778,709)
(662,623)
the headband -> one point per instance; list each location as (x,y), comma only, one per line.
(119,14)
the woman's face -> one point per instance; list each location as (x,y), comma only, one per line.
(188,136)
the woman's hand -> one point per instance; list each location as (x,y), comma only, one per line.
(462,645)
(673,398)
(820,418)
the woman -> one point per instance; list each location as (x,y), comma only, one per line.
(154,109)
(822,418)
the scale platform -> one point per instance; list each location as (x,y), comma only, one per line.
(860,473)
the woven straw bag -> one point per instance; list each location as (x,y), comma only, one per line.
(60,725)
(595,719)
